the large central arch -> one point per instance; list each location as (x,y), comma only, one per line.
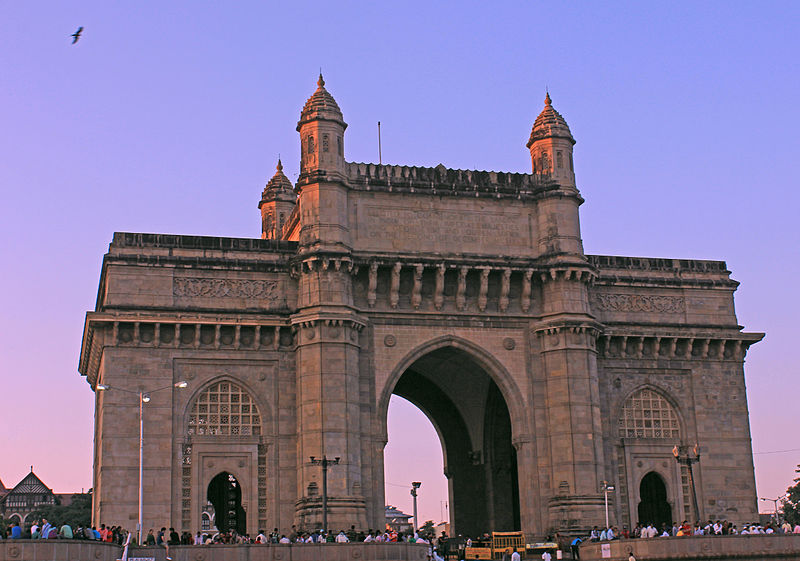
(458,387)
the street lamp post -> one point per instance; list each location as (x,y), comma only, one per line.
(606,490)
(144,397)
(775,502)
(414,486)
(682,456)
(324,462)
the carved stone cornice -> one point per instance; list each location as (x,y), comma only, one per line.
(103,330)
(632,345)
(566,334)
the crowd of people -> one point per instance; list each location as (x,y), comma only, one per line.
(711,528)
(45,529)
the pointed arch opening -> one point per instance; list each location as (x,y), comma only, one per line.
(653,507)
(462,399)
(225,494)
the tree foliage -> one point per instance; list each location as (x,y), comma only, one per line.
(426,530)
(77,513)
(791,504)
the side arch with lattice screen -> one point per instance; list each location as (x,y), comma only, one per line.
(224,409)
(647,414)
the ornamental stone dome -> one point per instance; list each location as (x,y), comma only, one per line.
(321,106)
(549,124)
(279,181)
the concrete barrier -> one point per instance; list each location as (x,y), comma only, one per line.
(697,548)
(69,550)
(58,550)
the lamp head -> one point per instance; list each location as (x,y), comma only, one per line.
(336,460)
(102,387)
(181,384)
(675,451)
(146,397)
(416,484)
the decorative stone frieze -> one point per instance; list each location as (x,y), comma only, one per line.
(639,303)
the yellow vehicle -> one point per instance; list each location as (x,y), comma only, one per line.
(493,548)
(535,550)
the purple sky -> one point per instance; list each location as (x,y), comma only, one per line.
(169,116)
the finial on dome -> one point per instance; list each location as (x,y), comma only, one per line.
(280,165)
(547,100)
(321,81)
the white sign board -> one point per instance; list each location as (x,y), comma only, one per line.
(605,551)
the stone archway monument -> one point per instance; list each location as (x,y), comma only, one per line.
(466,292)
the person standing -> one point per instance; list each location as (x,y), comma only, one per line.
(515,555)
(575,548)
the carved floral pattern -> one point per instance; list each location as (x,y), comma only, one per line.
(639,303)
(222,288)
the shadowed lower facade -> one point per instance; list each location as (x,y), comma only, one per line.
(546,372)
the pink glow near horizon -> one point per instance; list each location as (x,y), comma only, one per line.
(168,117)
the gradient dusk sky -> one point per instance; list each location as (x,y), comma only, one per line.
(168,116)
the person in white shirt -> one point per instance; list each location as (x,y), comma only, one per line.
(515,555)
(341,537)
(546,556)
(284,539)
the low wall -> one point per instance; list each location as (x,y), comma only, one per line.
(58,550)
(68,550)
(740,548)
(287,552)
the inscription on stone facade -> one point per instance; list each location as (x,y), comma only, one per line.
(225,288)
(639,303)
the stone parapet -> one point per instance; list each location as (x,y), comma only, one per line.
(741,548)
(43,550)
(51,550)
(443,181)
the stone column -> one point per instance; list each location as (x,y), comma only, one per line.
(329,400)
(568,363)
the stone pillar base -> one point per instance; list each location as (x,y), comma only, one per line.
(343,512)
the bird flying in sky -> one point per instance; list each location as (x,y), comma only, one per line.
(77,35)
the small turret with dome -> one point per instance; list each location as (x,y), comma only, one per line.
(277,203)
(551,145)
(321,127)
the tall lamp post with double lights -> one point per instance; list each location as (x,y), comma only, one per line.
(683,458)
(606,490)
(414,486)
(324,462)
(775,502)
(144,397)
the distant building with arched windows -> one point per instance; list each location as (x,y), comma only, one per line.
(27,497)
(548,374)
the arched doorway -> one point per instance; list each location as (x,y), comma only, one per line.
(653,506)
(225,493)
(473,422)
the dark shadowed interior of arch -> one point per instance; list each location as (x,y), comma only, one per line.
(471,417)
(653,507)
(225,493)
